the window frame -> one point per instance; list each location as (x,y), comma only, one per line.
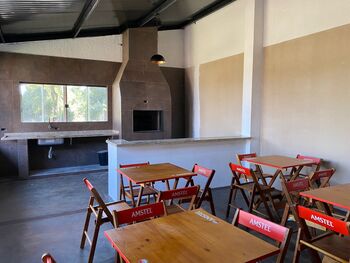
(65,102)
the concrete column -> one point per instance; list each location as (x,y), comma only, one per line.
(253,72)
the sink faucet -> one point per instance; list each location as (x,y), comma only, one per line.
(51,127)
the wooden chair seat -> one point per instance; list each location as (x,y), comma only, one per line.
(148,190)
(173,209)
(335,245)
(250,188)
(118,206)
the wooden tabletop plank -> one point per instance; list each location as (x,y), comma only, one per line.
(337,195)
(278,161)
(155,172)
(192,236)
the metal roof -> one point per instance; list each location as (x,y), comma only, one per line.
(28,20)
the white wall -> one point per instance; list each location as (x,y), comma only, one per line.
(216,36)
(106,48)
(289,19)
(211,154)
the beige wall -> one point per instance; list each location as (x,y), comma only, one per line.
(306,98)
(220,84)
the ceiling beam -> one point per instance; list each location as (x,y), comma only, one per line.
(154,12)
(2,38)
(206,11)
(88,9)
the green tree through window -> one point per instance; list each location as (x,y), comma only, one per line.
(41,102)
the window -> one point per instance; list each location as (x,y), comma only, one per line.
(63,103)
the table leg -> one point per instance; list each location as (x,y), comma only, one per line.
(275,175)
(175,183)
(296,173)
(132,193)
(167,184)
(140,195)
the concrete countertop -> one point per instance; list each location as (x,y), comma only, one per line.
(121,142)
(57,134)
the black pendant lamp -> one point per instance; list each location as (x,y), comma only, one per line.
(157,59)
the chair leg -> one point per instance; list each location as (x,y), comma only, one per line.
(245,197)
(297,248)
(285,215)
(86,224)
(263,199)
(251,203)
(232,189)
(211,201)
(94,239)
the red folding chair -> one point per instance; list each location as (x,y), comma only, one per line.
(178,195)
(125,191)
(291,192)
(320,179)
(272,230)
(254,189)
(204,194)
(137,214)
(47,258)
(329,244)
(316,166)
(103,213)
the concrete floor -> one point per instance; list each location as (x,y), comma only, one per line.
(47,215)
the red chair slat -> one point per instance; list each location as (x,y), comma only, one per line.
(202,170)
(263,226)
(88,184)
(240,169)
(326,221)
(140,213)
(298,185)
(132,165)
(179,193)
(323,174)
(309,158)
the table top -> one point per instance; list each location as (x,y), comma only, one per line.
(337,195)
(278,161)
(155,172)
(191,236)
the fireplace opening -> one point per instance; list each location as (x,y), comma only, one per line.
(147,120)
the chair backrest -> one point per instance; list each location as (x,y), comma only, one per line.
(291,192)
(272,230)
(242,157)
(96,196)
(329,222)
(209,173)
(297,185)
(321,176)
(238,171)
(316,160)
(138,214)
(47,258)
(180,194)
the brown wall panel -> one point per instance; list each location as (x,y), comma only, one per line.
(220,94)
(306,98)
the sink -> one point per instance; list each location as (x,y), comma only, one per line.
(49,142)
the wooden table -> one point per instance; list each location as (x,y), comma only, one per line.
(280,163)
(146,174)
(191,236)
(337,195)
